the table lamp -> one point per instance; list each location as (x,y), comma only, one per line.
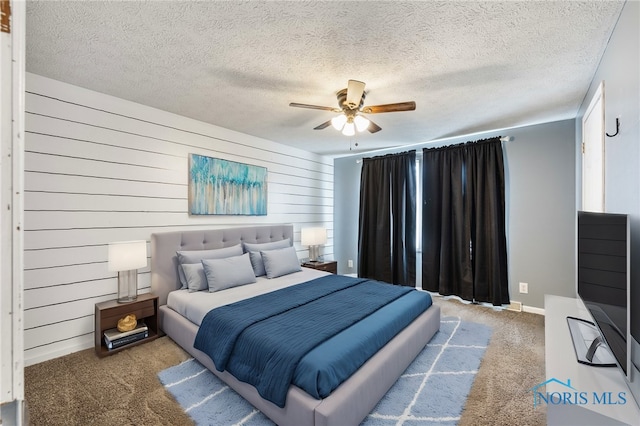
(314,238)
(126,257)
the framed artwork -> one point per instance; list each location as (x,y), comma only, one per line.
(221,187)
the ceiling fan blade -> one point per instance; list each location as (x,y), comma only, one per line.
(355,89)
(324,108)
(373,127)
(402,106)
(323,125)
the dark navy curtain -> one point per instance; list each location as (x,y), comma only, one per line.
(386,227)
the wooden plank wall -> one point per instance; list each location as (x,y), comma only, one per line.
(100,169)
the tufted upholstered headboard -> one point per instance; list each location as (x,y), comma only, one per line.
(164,262)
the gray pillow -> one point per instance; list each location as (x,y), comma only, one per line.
(228,272)
(254,250)
(280,262)
(195,256)
(195,277)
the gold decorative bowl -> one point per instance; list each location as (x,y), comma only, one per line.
(127,323)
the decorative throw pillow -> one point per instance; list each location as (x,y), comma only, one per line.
(195,277)
(280,262)
(254,250)
(195,256)
(228,272)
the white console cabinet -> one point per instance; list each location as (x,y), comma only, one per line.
(593,397)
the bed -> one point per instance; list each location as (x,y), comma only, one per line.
(350,402)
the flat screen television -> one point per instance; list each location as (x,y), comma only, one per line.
(605,287)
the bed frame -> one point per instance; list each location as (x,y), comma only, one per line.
(350,403)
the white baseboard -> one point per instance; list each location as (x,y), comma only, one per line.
(533,310)
(514,306)
(519,307)
(36,356)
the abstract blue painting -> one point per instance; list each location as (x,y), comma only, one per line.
(221,187)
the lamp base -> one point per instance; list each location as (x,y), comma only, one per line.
(314,252)
(127,286)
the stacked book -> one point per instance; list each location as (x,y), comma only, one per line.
(115,339)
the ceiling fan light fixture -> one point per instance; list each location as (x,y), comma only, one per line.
(350,106)
(349,129)
(339,121)
(361,123)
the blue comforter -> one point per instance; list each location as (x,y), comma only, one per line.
(246,338)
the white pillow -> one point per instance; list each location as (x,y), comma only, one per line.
(228,272)
(195,256)
(280,262)
(254,250)
(195,277)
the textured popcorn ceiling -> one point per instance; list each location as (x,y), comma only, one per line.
(470,66)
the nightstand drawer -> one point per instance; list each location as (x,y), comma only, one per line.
(141,310)
(330,266)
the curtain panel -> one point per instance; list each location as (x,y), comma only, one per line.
(386,227)
(463,221)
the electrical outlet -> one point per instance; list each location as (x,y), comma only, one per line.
(524,288)
(350,263)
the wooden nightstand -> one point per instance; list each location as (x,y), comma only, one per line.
(108,313)
(329,266)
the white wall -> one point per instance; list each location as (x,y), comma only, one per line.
(620,71)
(540,211)
(100,169)
(12,86)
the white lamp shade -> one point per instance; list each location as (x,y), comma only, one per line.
(349,129)
(127,255)
(338,121)
(361,123)
(313,236)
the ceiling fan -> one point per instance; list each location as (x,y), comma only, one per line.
(351,109)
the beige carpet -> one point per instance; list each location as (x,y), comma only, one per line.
(123,389)
(512,365)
